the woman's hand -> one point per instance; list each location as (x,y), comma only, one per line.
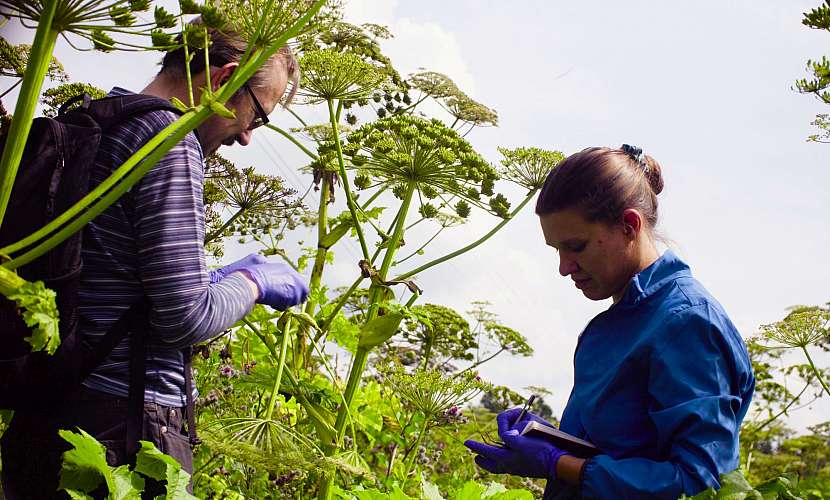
(521,455)
(508,419)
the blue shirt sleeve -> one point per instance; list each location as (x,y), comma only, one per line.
(697,386)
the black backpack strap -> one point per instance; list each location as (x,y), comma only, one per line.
(117,332)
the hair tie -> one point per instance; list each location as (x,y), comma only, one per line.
(637,155)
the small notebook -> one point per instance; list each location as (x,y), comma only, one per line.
(574,445)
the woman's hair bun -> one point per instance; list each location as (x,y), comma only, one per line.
(654,174)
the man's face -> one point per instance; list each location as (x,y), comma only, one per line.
(217,131)
(598,257)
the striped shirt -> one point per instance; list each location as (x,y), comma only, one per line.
(149,244)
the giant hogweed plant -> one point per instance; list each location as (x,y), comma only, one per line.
(422,167)
(265,24)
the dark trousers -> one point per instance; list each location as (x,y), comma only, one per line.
(31,447)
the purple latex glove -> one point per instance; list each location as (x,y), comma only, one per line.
(522,455)
(252,259)
(507,419)
(280,286)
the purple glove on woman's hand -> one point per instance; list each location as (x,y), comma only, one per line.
(508,419)
(252,259)
(522,455)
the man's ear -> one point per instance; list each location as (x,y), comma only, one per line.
(218,76)
(632,222)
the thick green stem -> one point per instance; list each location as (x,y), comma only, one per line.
(292,139)
(815,370)
(39,59)
(10,282)
(322,231)
(280,366)
(471,245)
(317,270)
(218,233)
(345,180)
(362,354)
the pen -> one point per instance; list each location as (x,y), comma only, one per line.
(527,405)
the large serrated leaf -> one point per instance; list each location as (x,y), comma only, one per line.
(39,310)
(155,464)
(85,467)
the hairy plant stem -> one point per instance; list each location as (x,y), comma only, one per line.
(38,64)
(344,178)
(292,139)
(218,233)
(280,366)
(472,245)
(815,370)
(362,354)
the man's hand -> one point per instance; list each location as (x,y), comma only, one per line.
(521,455)
(279,285)
(252,259)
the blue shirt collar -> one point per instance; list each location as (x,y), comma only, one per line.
(666,269)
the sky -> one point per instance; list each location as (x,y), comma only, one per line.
(703,87)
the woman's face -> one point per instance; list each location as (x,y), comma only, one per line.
(599,257)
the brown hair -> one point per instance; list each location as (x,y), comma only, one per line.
(226,46)
(602,183)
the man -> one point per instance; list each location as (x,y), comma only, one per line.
(148,247)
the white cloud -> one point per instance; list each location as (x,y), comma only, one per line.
(415,44)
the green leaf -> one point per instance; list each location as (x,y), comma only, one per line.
(155,464)
(85,467)
(470,491)
(379,330)
(39,312)
(344,332)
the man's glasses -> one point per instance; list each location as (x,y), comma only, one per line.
(261,117)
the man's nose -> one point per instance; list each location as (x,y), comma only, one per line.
(567,266)
(245,137)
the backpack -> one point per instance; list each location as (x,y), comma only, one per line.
(54,173)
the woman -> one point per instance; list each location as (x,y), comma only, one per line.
(662,378)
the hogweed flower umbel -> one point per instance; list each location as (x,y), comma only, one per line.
(407,150)
(528,167)
(329,75)
(799,329)
(431,392)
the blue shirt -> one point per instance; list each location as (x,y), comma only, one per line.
(662,381)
